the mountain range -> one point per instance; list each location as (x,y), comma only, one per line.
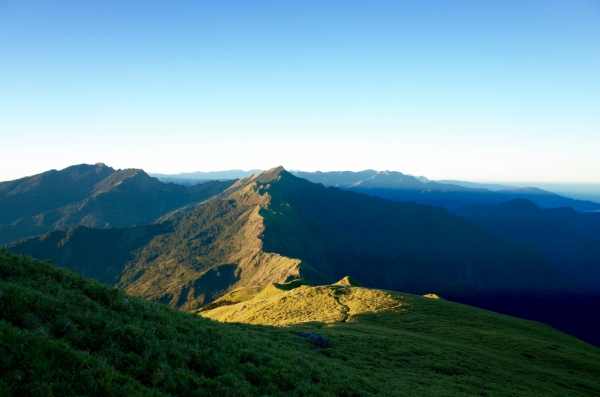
(273,227)
(397,186)
(196,243)
(95,196)
(190,178)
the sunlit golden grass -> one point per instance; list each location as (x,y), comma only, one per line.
(400,340)
(274,305)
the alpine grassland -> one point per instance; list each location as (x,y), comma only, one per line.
(62,334)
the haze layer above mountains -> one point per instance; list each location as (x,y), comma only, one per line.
(188,245)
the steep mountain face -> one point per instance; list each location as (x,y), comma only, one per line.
(568,239)
(102,198)
(274,227)
(396,186)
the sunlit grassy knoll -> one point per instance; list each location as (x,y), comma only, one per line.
(401,341)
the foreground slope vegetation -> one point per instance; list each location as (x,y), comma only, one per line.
(63,335)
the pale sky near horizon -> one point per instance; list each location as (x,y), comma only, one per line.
(489,91)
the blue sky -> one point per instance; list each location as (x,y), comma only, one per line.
(474,90)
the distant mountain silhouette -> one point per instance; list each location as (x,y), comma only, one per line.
(476,185)
(568,239)
(91,195)
(36,194)
(397,186)
(547,199)
(190,177)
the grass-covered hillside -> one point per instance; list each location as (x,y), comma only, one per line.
(419,340)
(64,335)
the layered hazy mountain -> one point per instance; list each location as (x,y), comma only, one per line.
(579,191)
(96,196)
(569,239)
(397,186)
(193,178)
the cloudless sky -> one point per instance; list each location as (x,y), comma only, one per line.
(470,90)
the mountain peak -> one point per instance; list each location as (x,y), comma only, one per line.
(273,174)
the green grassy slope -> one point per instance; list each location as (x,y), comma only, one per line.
(415,340)
(64,335)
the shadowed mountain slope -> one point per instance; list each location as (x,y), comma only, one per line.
(36,194)
(396,186)
(400,246)
(62,334)
(569,239)
(93,196)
